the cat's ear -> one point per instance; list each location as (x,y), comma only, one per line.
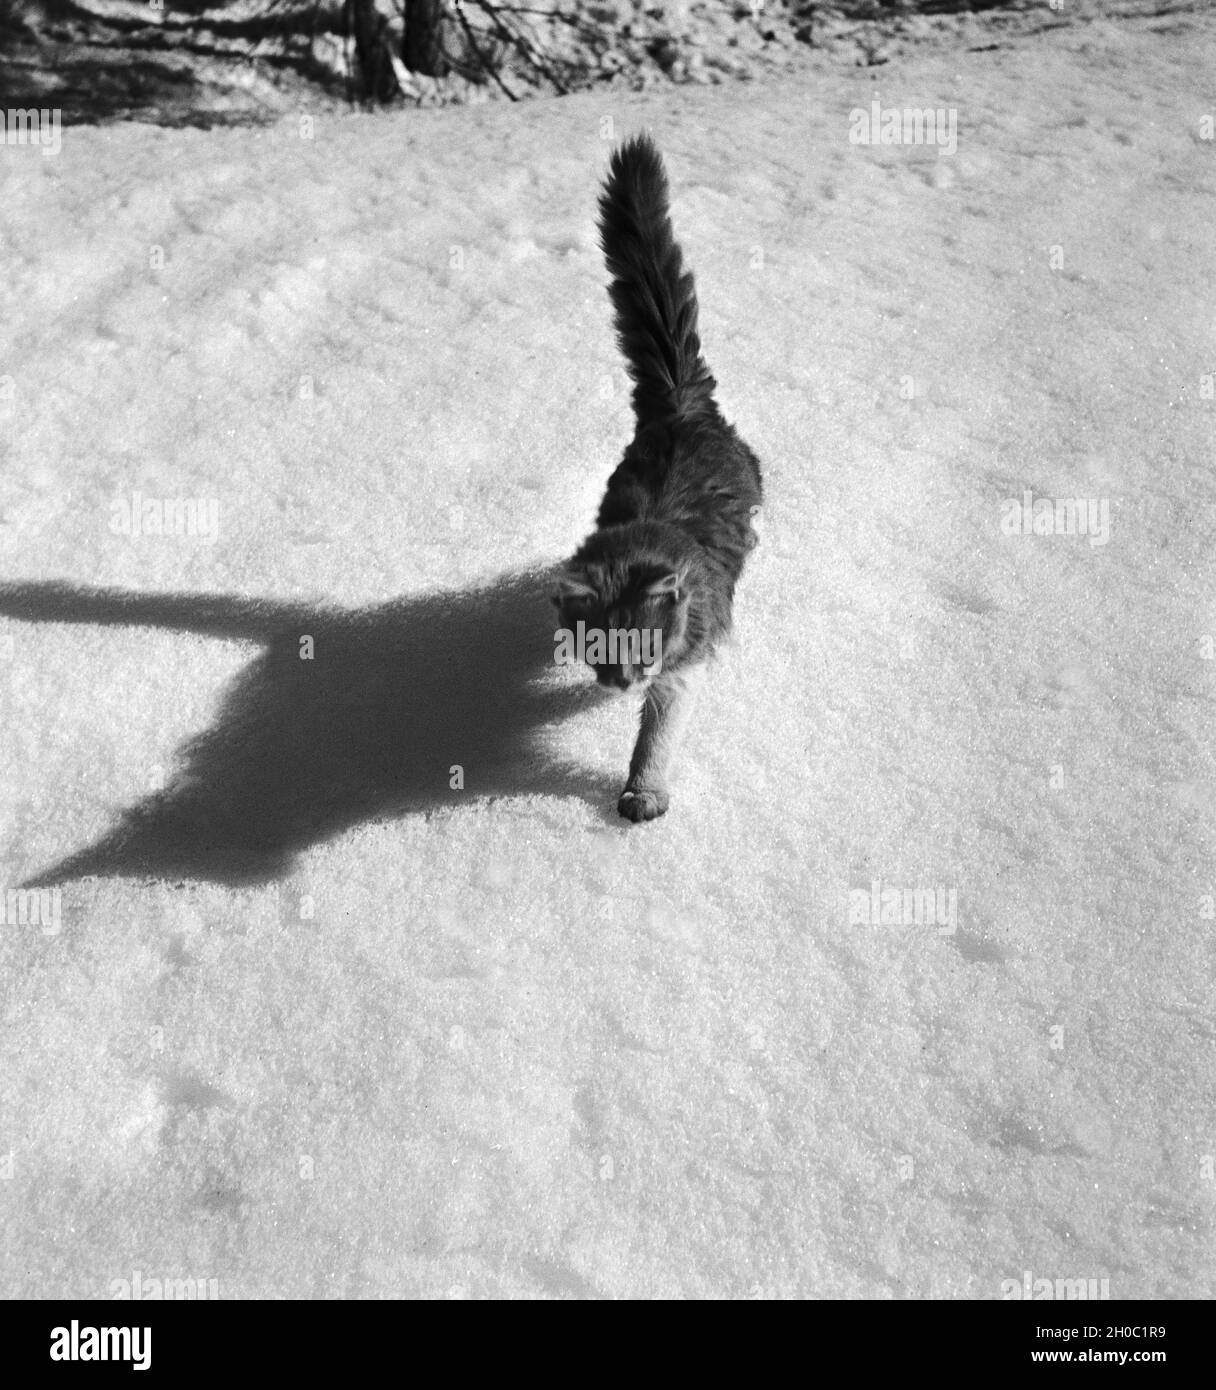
(572,584)
(667,585)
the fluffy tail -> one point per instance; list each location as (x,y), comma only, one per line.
(653,295)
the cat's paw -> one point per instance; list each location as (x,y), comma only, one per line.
(644,804)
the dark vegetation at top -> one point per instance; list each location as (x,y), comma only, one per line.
(208,62)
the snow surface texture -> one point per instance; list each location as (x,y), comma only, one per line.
(495,1042)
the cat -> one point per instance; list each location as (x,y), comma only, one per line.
(676,522)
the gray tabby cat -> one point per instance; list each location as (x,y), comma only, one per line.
(675,524)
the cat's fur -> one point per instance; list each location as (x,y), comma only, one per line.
(675,525)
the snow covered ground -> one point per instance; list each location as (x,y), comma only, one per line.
(305,1020)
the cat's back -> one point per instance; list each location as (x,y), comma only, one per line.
(699,476)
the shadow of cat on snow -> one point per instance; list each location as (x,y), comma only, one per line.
(394,696)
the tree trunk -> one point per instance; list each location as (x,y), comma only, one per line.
(378,81)
(422,50)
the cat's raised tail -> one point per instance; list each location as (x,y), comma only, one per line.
(653,295)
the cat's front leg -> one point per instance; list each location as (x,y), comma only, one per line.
(665,715)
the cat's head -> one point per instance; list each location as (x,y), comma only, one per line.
(640,608)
